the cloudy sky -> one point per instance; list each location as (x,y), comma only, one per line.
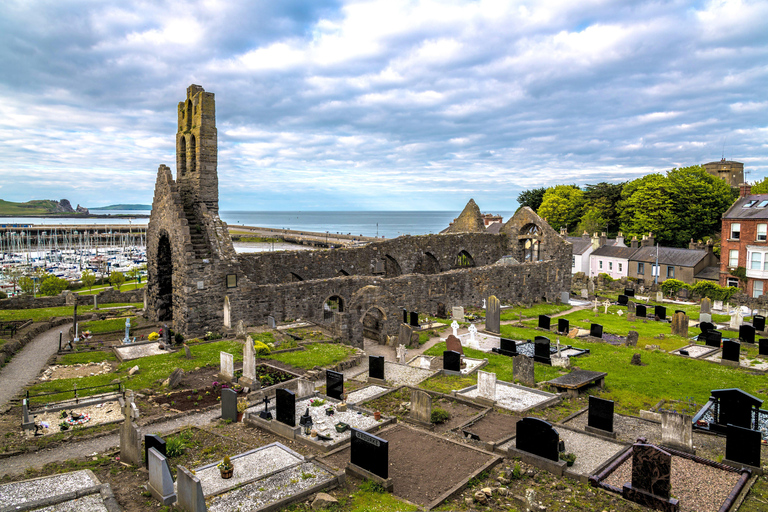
(388,105)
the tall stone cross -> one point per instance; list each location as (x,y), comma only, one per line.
(606,304)
(455,327)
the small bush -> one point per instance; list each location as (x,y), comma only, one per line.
(261,348)
(606,277)
(517,472)
(439,415)
(153,336)
(371,486)
(175,446)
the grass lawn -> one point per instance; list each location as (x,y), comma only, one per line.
(114,324)
(314,354)
(95,356)
(533,311)
(42,314)
(125,287)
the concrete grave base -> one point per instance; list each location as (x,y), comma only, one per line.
(649,500)
(740,465)
(555,467)
(380,382)
(726,362)
(364,474)
(600,432)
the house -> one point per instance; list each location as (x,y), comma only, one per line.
(582,247)
(691,265)
(744,244)
(610,259)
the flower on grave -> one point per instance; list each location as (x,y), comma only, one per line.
(117,458)
(215,383)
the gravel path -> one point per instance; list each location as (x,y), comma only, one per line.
(72,450)
(28,362)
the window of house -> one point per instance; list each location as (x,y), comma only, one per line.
(750,204)
(573,261)
(670,272)
(654,270)
(757,289)
(735,231)
(733,281)
(762,230)
(610,265)
(640,268)
(762,204)
(619,267)
(733,258)
(754,261)
(601,264)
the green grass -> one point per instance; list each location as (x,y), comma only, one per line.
(42,314)
(314,354)
(34,207)
(95,356)
(534,311)
(114,324)
(126,287)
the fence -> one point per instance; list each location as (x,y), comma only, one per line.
(77,395)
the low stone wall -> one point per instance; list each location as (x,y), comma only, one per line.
(109,296)
(10,347)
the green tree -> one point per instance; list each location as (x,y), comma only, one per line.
(52,285)
(531,198)
(699,201)
(88,278)
(646,206)
(761,187)
(13,275)
(117,279)
(27,284)
(562,206)
(600,212)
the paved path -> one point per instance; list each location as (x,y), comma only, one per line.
(76,449)
(27,363)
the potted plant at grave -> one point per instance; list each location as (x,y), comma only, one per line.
(569,458)
(242,405)
(226,468)
(64,426)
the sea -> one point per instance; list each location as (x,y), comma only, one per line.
(387,224)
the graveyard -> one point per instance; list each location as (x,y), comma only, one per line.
(484,431)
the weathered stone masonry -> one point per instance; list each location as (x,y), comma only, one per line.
(198,283)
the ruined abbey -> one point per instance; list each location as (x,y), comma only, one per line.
(197,282)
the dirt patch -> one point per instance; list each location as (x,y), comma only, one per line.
(78,370)
(189,400)
(422,466)
(494,426)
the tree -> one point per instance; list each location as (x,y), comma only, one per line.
(53,285)
(117,279)
(647,206)
(14,274)
(562,206)
(601,213)
(761,187)
(531,198)
(88,278)
(27,284)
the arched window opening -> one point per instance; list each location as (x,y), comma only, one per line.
(192,154)
(188,117)
(182,156)
(331,306)
(164,305)
(464,260)
(391,267)
(530,242)
(427,264)
(373,325)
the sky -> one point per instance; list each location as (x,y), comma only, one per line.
(378,105)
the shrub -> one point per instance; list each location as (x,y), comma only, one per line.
(606,277)
(672,286)
(371,486)
(714,291)
(261,348)
(174,446)
(153,336)
(3,295)
(439,415)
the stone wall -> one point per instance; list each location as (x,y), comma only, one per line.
(11,346)
(109,296)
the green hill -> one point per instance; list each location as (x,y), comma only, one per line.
(34,207)
(123,207)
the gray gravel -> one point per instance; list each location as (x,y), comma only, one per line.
(91,503)
(627,428)
(591,452)
(510,397)
(361,395)
(17,493)
(400,374)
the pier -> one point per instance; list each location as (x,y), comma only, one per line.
(313,238)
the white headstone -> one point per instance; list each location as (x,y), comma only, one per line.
(472,333)
(584,293)
(425,363)
(401,351)
(306,388)
(659,296)
(160,479)
(558,347)
(455,327)
(736,319)
(486,385)
(227,365)
(484,306)
(705,317)
(249,361)
(605,305)
(620,312)
(457,313)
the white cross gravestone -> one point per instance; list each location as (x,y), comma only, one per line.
(736,319)
(486,385)
(484,306)
(473,342)
(401,351)
(455,327)
(605,305)
(227,366)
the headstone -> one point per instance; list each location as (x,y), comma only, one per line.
(735,407)
(486,385)
(507,347)
(661,312)
(606,305)
(680,324)
(541,352)
(405,334)
(762,346)
(334,384)
(240,330)
(473,343)
(731,350)
(187,352)
(127,338)
(271,322)
(453,343)
(523,370)
(153,441)
(565,297)
(27,423)
(651,474)
(441,310)
(736,319)
(659,296)
(713,338)
(400,352)
(623,300)
(706,305)
(160,478)
(227,370)
(229,404)
(563,325)
(641,311)
(620,313)
(369,452)
(189,491)
(747,333)
(584,293)
(405,316)
(285,407)
(600,415)
(717,305)
(130,442)
(493,315)
(629,292)
(451,361)
(544,322)
(457,313)
(758,322)
(677,431)
(249,364)
(705,318)
(591,286)
(455,328)
(631,307)
(632,338)
(596,331)
(537,437)
(305,388)
(95,302)
(742,445)
(484,305)
(421,406)
(414,319)
(425,363)
(376,367)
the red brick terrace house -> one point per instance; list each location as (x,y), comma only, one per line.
(744,244)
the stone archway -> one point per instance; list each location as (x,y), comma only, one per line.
(164,303)
(373,322)
(427,264)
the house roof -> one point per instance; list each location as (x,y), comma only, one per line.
(494,228)
(753,206)
(580,244)
(611,251)
(709,273)
(670,256)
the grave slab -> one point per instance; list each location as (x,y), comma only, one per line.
(578,381)
(513,397)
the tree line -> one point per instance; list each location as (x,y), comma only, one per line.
(680,205)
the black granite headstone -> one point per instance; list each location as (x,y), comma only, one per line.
(334,384)
(706,326)
(376,367)
(713,338)
(623,300)
(758,322)
(537,437)
(629,292)
(285,406)
(414,319)
(600,414)
(369,452)
(661,312)
(596,331)
(507,347)
(544,322)
(405,316)
(153,441)
(451,361)
(229,404)
(747,333)
(641,311)
(762,346)
(731,350)
(541,350)
(743,445)
(563,325)
(735,407)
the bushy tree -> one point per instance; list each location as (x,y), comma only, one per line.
(117,279)
(761,187)
(531,198)
(646,206)
(52,285)
(600,210)
(88,278)
(562,205)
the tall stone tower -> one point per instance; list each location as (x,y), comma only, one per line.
(196,150)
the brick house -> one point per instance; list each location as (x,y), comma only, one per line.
(744,244)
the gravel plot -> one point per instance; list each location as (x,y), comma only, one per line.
(483,342)
(762,422)
(400,374)
(744,362)
(256,464)
(510,397)
(591,452)
(700,488)
(471,365)
(695,350)
(90,503)
(56,372)
(100,413)
(361,395)
(129,352)
(17,493)
(627,428)
(257,494)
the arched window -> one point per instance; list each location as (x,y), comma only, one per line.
(530,242)
(391,267)
(427,264)
(188,117)
(192,154)
(464,260)
(182,157)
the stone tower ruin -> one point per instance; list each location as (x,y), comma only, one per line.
(197,150)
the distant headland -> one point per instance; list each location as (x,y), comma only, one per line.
(63,208)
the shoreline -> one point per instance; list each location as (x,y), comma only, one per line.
(74,216)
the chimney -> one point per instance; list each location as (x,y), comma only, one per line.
(710,246)
(595,242)
(648,241)
(620,240)
(634,243)
(563,231)
(585,235)
(603,239)
(745,189)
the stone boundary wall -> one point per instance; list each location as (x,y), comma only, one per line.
(109,296)
(10,347)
